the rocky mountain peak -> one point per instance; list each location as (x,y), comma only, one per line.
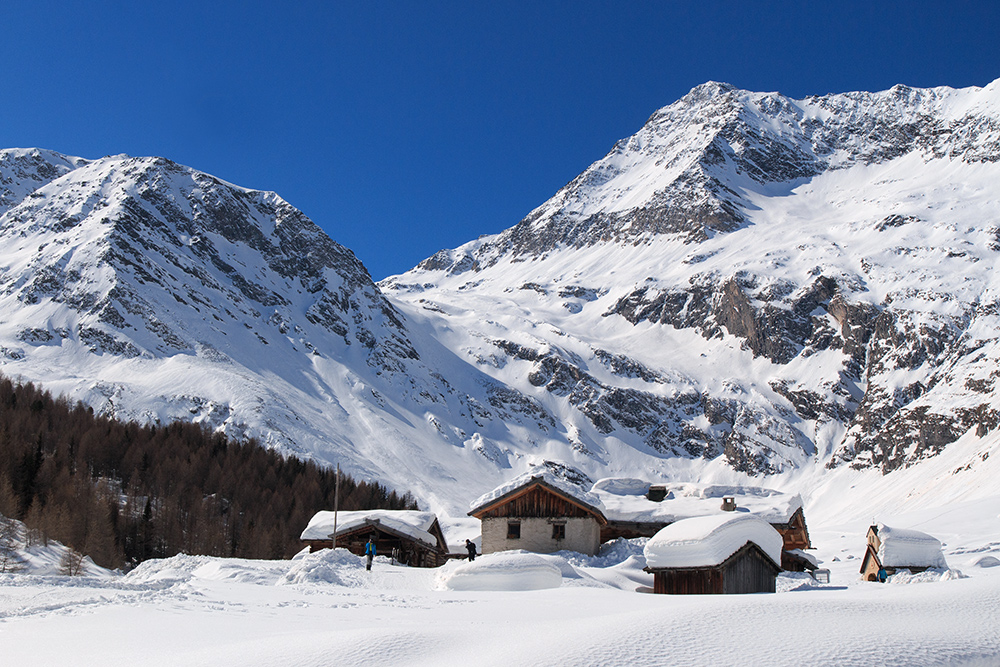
(151,257)
(694,169)
(824,238)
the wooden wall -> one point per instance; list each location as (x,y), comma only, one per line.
(748,570)
(688,581)
(536,502)
(794,533)
(629,530)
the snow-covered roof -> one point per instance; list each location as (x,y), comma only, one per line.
(624,499)
(412,523)
(589,500)
(709,540)
(902,547)
(799,553)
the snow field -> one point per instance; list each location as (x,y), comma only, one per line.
(324,608)
(215,618)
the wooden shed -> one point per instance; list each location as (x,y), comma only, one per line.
(715,555)
(539,513)
(410,537)
(749,570)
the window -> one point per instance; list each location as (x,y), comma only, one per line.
(558,531)
(513,530)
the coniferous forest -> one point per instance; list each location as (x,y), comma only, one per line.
(124,492)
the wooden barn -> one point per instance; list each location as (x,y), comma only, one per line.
(409,537)
(720,554)
(539,513)
(895,549)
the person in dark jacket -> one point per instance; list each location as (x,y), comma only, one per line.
(470,546)
(370,552)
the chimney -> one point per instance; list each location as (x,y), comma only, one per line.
(657,493)
(728,503)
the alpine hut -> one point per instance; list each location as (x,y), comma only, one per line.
(637,509)
(721,554)
(894,549)
(409,536)
(539,512)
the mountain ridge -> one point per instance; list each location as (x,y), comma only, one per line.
(748,286)
(775,319)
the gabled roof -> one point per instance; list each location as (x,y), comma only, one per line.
(524,483)
(412,524)
(709,540)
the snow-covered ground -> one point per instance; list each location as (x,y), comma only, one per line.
(324,608)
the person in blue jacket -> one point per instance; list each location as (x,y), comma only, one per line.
(370,552)
(882,575)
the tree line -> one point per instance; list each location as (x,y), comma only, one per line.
(123,492)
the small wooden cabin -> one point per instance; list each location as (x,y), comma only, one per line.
(749,570)
(714,555)
(538,514)
(408,536)
(896,549)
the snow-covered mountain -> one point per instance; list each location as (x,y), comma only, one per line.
(750,285)
(154,292)
(780,284)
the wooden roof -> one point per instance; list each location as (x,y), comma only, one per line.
(529,486)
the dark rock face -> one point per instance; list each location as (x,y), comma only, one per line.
(895,427)
(778,331)
(885,427)
(667,425)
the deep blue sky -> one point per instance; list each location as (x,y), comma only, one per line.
(405,127)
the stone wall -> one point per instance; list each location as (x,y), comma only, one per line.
(582,534)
